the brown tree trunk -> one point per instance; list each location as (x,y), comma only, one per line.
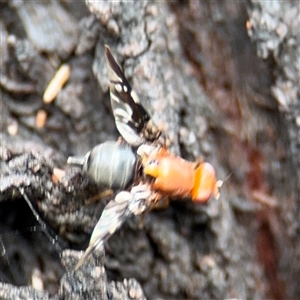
(221,79)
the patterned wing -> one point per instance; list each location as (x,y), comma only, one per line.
(132,120)
(113,216)
(115,213)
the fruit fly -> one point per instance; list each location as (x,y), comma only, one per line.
(163,174)
(173,176)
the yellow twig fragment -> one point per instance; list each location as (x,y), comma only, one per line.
(41,118)
(56,83)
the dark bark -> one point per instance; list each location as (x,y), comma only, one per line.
(201,79)
(276,33)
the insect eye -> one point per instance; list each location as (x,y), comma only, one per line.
(153,162)
(152,168)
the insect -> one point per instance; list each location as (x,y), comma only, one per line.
(163,174)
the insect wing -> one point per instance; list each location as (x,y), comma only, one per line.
(113,216)
(130,116)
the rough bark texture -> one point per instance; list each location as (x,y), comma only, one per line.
(275,29)
(221,78)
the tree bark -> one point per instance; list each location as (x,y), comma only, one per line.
(221,79)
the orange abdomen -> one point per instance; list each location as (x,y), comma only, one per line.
(205,183)
(173,175)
